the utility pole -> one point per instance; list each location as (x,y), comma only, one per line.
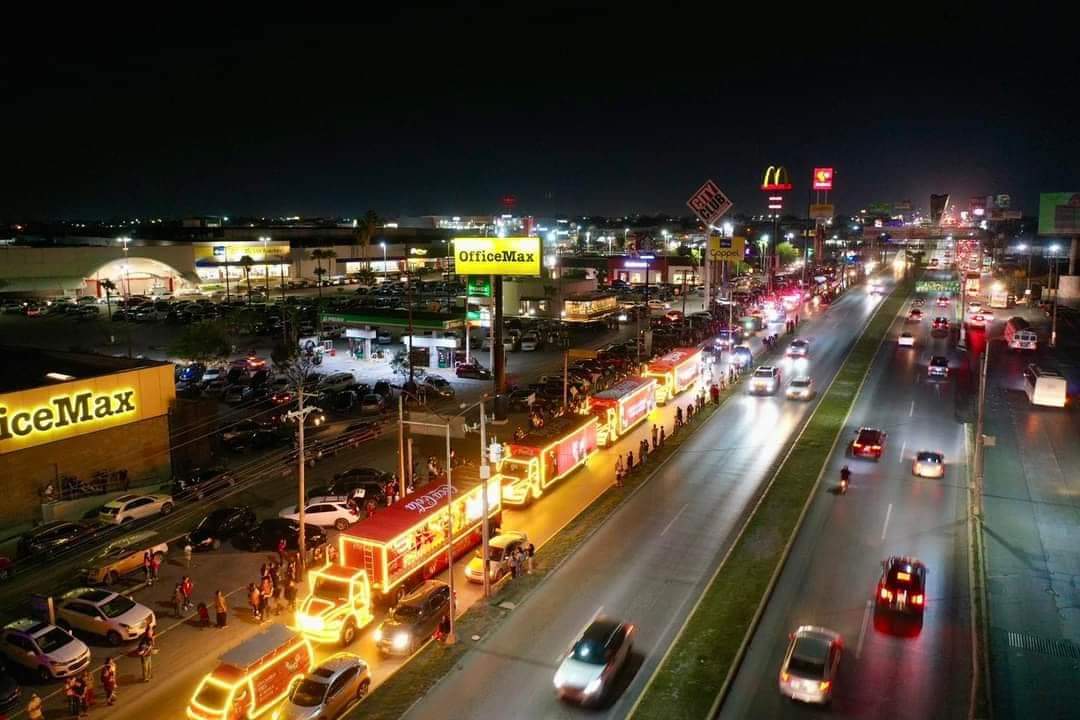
(300,415)
(450,637)
(485,475)
(401,445)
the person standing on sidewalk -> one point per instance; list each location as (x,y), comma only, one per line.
(253,601)
(145,651)
(188,588)
(148,567)
(178,600)
(74,697)
(109,681)
(281,550)
(221,609)
(655,434)
(33,708)
(155,567)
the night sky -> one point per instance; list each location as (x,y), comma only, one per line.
(571,112)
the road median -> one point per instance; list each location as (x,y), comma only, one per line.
(697,668)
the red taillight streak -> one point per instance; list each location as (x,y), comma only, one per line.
(886,594)
(858,445)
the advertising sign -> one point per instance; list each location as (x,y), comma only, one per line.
(821,211)
(709,203)
(823,178)
(730,249)
(207,253)
(497,256)
(636,406)
(776,179)
(1059,213)
(478,288)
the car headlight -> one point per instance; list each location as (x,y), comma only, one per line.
(378,634)
(401,640)
(594,686)
(559,682)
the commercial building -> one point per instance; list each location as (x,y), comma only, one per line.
(75,425)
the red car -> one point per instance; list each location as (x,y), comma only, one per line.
(868,443)
(902,587)
(941,323)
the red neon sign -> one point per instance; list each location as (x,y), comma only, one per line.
(823,178)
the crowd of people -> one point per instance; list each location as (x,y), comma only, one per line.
(274,593)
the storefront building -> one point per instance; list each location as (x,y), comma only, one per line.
(77,426)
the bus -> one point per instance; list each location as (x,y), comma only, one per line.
(971,283)
(999,297)
(1044,387)
(1019,335)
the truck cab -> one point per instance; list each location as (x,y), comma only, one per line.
(337,606)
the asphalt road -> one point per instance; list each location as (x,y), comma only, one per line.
(889,668)
(651,560)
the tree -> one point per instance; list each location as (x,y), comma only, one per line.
(318,255)
(109,287)
(787,252)
(399,363)
(367,226)
(202,342)
(246,262)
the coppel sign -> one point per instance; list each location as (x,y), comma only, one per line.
(497,256)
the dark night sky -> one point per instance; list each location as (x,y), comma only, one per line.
(418,114)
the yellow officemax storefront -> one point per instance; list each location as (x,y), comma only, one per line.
(76,427)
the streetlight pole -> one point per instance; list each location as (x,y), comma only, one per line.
(127,292)
(1053,271)
(266,266)
(383,246)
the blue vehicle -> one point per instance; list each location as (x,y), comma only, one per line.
(192,373)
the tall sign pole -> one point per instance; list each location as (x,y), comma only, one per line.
(709,203)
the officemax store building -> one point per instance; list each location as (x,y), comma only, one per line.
(78,428)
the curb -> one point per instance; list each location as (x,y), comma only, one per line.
(980,610)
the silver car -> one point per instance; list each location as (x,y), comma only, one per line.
(810,664)
(115,617)
(328,691)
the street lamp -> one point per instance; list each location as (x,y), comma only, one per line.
(763,245)
(1025,248)
(1053,267)
(728,229)
(127,289)
(383,246)
(265,240)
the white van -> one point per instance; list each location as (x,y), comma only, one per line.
(1019,335)
(1044,387)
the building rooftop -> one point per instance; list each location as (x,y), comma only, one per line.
(25,368)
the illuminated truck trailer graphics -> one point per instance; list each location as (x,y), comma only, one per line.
(622,406)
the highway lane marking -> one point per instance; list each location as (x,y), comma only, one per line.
(673,519)
(903,449)
(862,630)
(884,530)
(911,412)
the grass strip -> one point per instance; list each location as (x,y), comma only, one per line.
(693,672)
(400,691)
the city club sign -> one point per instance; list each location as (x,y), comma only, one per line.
(67,411)
(497,256)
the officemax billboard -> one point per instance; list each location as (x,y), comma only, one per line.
(497,256)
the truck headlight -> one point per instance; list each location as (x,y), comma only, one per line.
(378,634)
(401,640)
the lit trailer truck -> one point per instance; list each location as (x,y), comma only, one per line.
(675,372)
(622,406)
(544,456)
(403,545)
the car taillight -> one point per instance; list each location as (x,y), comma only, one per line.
(916,599)
(886,594)
(824,685)
(875,447)
(785,676)
(857,445)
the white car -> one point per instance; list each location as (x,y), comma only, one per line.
(906,339)
(115,617)
(974,306)
(798,348)
(328,691)
(324,514)
(135,507)
(810,664)
(530,342)
(211,375)
(766,379)
(658,305)
(336,382)
(590,669)
(928,464)
(500,549)
(800,388)
(45,649)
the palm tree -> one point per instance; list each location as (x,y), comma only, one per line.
(108,286)
(246,263)
(318,255)
(367,227)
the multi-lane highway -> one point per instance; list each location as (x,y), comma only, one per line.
(889,668)
(651,560)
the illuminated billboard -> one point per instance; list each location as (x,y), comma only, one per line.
(497,256)
(823,178)
(776,179)
(1059,213)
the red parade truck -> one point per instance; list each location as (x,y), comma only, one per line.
(622,406)
(544,456)
(675,372)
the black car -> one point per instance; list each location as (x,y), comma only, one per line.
(202,482)
(9,689)
(385,389)
(473,371)
(221,525)
(902,587)
(359,487)
(414,619)
(266,534)
(50,538)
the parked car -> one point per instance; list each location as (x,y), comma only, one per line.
(437,385)
(473,371)
(202,482)
(338,515)
(9,689)
(46,650)
(126,508)
(103,613)
(372,404)
(123,556)
(500,550)
(51,537)
(221,525)
(336,382)
(414,619)
(266,534)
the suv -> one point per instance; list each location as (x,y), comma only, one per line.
(902,587)
(766,379)
(50,538)
(115,617)
(126,508)
(868,443)
(414,619)
(46,649)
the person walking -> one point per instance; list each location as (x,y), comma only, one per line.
(88,692)
(290,593)
(155,566)
(109,682)
(187,587)
(33,708)
(73,695)
(221,609)
(530,553)
(145,651)
(178,600)
(619,470)
(629,461)
(253,601)
(662,436)
(279,591)
(266,591)
(148,567)
(678,417)
(281,548)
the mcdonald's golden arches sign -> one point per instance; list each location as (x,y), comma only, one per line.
(776,179)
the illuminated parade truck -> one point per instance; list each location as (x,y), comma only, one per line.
(253,677)
(401,546)
(337,606)
(622,406)
(674,372)
(531,464)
